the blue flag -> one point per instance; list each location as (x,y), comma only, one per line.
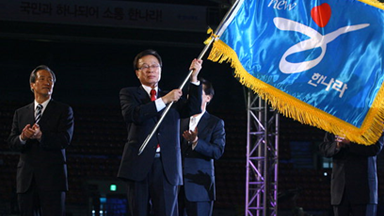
(317,61)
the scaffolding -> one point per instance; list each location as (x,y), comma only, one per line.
(262,157)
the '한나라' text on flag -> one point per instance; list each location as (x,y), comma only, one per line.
(318,62)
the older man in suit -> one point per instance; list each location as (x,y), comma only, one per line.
(40,132)
(354,187)
(203,142)
(153,176)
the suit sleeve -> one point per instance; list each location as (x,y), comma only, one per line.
(13,139)
(192,105)
(213,148)
(328,148)
(364,150)
(60,137)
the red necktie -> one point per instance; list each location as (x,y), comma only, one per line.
(153,97)
(153,94)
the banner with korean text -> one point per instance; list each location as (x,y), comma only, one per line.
(319,62)
(121,14)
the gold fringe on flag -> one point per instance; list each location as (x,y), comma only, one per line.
(291,107)
(374,3)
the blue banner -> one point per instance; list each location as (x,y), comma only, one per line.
(319,62)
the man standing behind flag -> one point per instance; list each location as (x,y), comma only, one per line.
(153,176)
(203,142)
(354,187)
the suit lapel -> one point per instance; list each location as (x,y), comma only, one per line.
(30,114)
(184,124)
(160,93)
(145,98)
(47,112)
(203,123)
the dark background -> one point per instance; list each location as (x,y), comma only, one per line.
(93,63)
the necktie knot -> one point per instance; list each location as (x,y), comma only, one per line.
(39,108)
(153,94)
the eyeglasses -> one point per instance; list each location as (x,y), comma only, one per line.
(145,67)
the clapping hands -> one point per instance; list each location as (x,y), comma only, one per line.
(29,132)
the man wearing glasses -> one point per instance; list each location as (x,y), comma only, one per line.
(153,176)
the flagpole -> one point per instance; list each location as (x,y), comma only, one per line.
(202,53)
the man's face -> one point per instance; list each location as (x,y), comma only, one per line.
(149,72)
(43,85)
(205,100)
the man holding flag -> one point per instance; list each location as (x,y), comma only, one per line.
(153,177)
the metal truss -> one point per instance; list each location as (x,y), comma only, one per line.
(262,157)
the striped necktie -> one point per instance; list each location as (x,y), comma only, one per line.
(39,108)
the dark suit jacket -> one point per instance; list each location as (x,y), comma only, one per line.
(45,161)
(141,116)
(198,164)
(354,172)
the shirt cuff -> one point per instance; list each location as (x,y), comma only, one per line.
(159,103)
(196,83)
(194,144)
(22,141)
